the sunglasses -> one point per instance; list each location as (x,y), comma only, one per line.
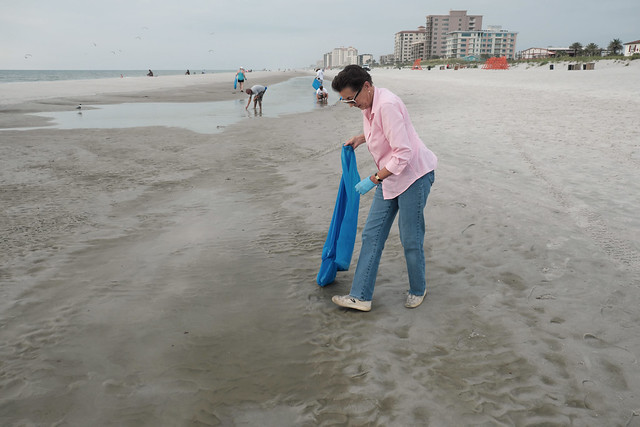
(352,100)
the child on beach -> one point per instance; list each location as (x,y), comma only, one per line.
(321,94)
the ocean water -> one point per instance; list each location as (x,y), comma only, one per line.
(295,95)
(7,76)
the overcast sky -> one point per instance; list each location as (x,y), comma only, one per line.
(272,34)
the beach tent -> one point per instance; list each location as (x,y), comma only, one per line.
(338,248)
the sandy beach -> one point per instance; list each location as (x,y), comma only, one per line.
(155,276)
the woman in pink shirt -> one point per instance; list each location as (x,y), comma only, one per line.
(402,182)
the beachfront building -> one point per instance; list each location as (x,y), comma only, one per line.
(365,59)
(417,50)
(403,43)
(439,26)
(387,59)
(550,52)
(341,57)
(536,53)
(494,41)
(631,48)
(562,51)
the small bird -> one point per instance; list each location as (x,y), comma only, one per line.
(79,107)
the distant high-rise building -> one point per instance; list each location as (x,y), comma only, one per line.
(365,58)
(387,59)
(493,41)
(340,57)
(439,26)
(404,42)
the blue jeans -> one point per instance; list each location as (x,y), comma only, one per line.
(410,206)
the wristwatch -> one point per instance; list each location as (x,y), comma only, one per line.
(377,177)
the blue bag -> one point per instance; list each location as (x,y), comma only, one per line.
(338,248)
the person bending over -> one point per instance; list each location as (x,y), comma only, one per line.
(322,94)
(402,182)
(257,92)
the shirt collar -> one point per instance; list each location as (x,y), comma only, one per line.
(370,112)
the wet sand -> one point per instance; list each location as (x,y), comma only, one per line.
(157,276)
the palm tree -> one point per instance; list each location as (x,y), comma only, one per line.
(615,46)
(577,48)
(592,49)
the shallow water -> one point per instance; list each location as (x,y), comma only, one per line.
(292,96)
(8,76)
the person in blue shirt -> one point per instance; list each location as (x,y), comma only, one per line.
(240,75)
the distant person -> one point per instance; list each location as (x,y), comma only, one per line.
(240,75)
(257,91)
(401,184)
(188,73)
(320,75)
(150,73)
(322,95)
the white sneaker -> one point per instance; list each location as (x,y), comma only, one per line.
(414,300)
(350,302)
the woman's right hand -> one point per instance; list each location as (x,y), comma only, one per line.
(356,141)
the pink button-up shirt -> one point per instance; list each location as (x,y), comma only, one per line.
(394,143)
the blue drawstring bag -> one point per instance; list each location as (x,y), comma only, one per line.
(338,248)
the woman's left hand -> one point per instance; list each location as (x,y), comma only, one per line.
(365,185)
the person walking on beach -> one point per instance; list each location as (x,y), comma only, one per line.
(240,75)
(402,182)
(257,91)
(320,75)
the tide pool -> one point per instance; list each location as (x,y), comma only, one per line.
(292,96)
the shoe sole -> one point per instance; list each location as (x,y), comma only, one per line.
(354,307)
